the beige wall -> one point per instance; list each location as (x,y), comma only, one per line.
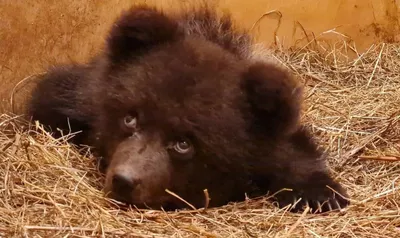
(36,33)
(365,21)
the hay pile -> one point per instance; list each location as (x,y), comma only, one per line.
(47,189)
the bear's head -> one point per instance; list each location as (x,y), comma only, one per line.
(181,112)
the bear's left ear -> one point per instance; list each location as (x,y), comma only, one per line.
(137,30)
(274,97)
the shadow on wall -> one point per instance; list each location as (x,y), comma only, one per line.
(36,34)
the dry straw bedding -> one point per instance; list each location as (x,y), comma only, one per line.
(47,189)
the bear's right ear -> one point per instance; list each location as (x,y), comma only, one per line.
(137,30)
(275,99)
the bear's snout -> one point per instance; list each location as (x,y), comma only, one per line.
(124,185)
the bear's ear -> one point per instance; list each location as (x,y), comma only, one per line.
(137,30)
(274,97)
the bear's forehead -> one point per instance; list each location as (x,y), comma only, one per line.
(200,106)
(187,83)
(185,74)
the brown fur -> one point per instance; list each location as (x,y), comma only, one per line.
(188,80)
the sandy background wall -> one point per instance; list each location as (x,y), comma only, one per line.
(37,33)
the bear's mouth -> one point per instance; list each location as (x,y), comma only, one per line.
(163,203)
(166,206)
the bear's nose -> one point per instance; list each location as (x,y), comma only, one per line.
(123,185)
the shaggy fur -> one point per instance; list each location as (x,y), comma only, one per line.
(185,102)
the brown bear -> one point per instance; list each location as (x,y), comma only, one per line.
(187,102)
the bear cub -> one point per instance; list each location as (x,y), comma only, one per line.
(187,102)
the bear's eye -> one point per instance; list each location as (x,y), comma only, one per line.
(130,122)
(182,146)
